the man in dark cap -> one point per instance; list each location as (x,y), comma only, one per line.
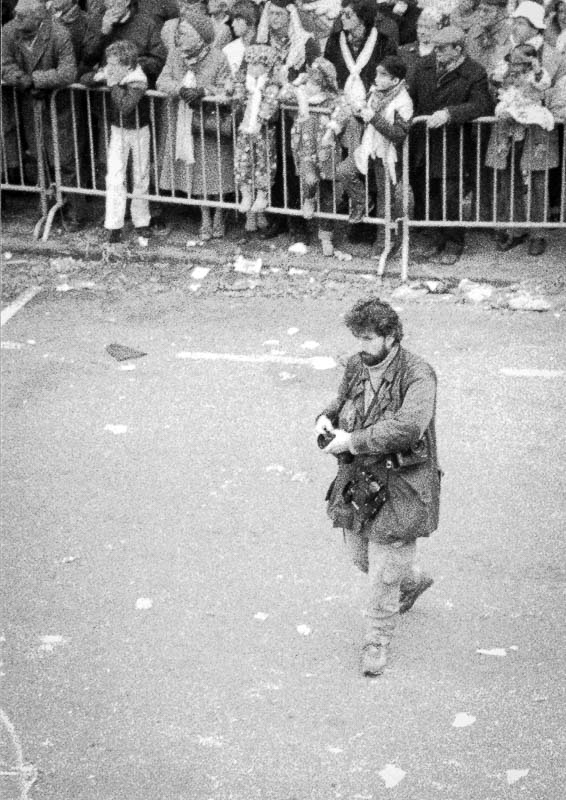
(38,56)
(451,89)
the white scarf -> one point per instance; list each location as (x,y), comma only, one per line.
(354,88)
(375,145)
(184,144)
(254,88)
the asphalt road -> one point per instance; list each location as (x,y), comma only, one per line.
(241,680)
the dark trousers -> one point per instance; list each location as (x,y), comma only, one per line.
(440,192)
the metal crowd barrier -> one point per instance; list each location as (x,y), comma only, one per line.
(23,112)
(467,194)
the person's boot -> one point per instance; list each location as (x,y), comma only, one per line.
(537,246)
(260,203)
(218,224)
(374,658)
(412,591)
(326,243)
(205,225)
(246,201)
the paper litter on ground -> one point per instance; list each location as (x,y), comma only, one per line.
(310,345)
(144,603)
(463,720)
(495,651)
(116,429)
(304,630)
(299,249)
(514,775)
(391,775)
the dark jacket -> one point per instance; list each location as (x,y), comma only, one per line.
(332,52)
(50,63)
(76,22)
(127,109)
(465,93)
(402,414)
(138,29)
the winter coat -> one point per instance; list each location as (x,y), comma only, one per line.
(50,63)
(465,94)
(540,148)
(213,170)
(138,29)
(403,413)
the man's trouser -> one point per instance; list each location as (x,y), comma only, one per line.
(387,566)
(122,142)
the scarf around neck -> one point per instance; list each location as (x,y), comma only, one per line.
(354,88)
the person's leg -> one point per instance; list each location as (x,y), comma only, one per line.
(118,150)
(243,167)
(139,210)
(537,202)
(388,565)
(354,186)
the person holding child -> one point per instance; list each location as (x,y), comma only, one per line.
(129,133)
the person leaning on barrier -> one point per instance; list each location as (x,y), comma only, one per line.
(387,117)
(37,57)
(450,89)
(429,22)
(129,133)
(386,494)
(197,153)
(522,156)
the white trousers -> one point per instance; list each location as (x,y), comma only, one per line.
(122,142)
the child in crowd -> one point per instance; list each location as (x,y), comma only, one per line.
(522,93)
(245,19)
(129,133)
(218,11)
(256,154)
(387,118)
(315,88)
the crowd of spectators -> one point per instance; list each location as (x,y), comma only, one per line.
(355,73)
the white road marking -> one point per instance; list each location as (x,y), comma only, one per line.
(531,373)
(316,362)
(24,774)
(18,304)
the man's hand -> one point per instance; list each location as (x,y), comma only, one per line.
(438,119)
(340,443)
(24,82)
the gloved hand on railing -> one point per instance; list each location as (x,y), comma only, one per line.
(23,82)
(191,96)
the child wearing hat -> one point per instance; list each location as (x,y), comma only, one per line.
(129,133)
(387,118)
(256,154)
(522,93)
(314,89)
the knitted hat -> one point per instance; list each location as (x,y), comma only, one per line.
(281,3)
(449,35)
(328,72)
(202,24)
(261,54)
(532,12)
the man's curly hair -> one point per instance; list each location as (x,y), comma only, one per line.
(126,52)
(373,315)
